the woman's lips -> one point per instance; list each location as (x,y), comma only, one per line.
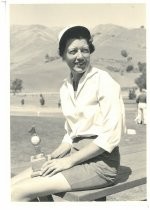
(79,64)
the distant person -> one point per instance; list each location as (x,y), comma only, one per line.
(22,101)
(132,94)
(59,103)
(42,100)
(91,102)
(141,101)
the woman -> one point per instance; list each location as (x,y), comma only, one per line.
(88,156)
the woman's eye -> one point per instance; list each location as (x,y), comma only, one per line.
(85,50)
(72,52)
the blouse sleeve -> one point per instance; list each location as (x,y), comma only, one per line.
(67,138)
(112,112)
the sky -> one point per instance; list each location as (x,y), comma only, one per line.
(131,15)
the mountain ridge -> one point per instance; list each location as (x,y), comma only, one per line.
(29,46)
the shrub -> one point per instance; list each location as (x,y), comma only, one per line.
(129,68)
(141,81)
(16,86)
(124,53)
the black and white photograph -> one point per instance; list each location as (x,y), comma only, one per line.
(78,102)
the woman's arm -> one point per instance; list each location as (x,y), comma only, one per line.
(61,151)
(89,151)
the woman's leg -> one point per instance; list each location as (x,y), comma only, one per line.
(23,175)
(30,188)
(139,114)
(144,114)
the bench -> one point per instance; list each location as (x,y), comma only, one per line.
(132,173)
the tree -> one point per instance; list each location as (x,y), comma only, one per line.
(129,68)
(16,86)
(129,58)
(142,67)
(128,62)
(141,80)
(124,53)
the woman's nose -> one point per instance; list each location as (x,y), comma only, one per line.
(79,54)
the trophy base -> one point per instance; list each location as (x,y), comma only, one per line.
(36,163)
(35,174)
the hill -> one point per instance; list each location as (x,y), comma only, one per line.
(29,46)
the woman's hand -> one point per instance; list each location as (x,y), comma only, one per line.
(54,166)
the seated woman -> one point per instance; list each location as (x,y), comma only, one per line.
(88,156)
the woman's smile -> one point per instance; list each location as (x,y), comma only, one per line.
(80,65)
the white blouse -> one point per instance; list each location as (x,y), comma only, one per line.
(97,108)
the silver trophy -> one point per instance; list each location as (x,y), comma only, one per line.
(39,158)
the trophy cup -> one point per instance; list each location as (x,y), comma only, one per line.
(39,158)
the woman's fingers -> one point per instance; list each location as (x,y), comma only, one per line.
(54,166)
(49,157)
(54,172)
(46,164)
(47,168)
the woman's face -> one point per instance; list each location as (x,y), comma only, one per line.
(77,55)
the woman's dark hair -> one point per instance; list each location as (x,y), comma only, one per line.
(76,32)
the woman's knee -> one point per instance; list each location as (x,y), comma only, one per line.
(19,193)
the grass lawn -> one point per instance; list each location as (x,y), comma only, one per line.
(51,131)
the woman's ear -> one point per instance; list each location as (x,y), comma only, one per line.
(64,56)
(58,52)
